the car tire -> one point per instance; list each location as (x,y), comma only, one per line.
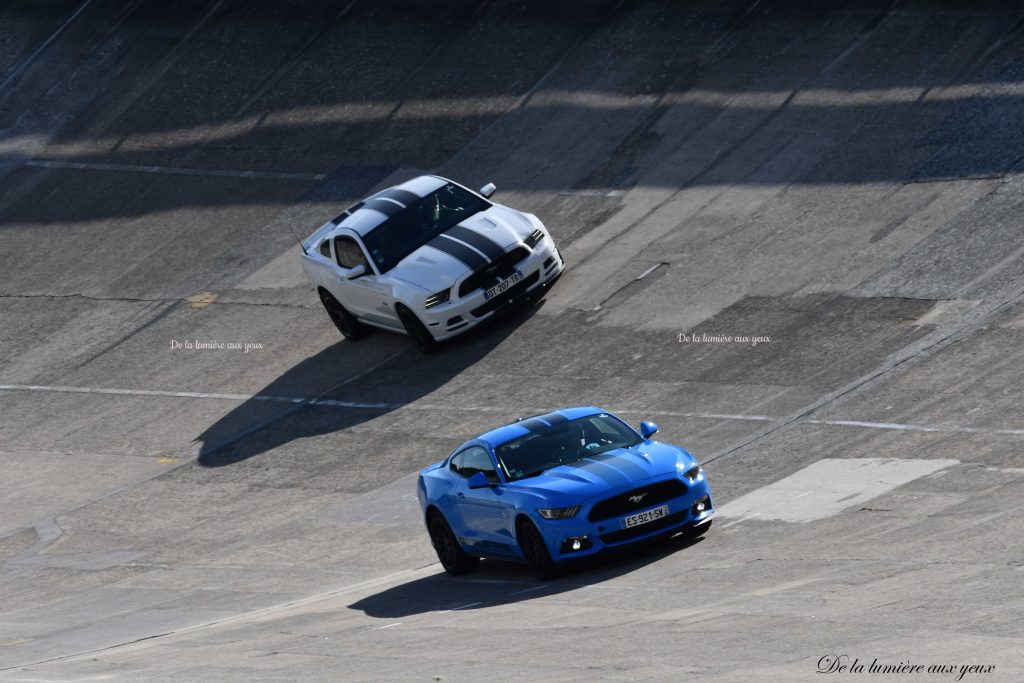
(419,333)
(346,323)
(454,560)
(535,551)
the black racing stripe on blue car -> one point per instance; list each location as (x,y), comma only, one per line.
(554,418)
(610,467)
(383,206)
(458,250)
(404,196)
(534,424)
(481,243)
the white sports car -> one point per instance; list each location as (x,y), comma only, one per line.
(429,258)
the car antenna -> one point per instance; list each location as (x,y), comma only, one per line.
(301,245)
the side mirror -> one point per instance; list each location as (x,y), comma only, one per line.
(648,429)
(488,189)
(353,273)
(478,481)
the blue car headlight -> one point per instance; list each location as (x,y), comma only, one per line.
(558,513)
(693,473)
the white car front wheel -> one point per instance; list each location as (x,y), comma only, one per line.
(425,341)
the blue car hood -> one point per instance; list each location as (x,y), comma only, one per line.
(620,469)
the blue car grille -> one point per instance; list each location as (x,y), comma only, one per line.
(619,505)
(633,532)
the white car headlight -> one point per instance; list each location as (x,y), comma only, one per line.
(439,298)
(534,238)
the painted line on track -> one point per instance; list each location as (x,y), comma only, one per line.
(371,405)
(28,61)
(263,613)
(466,606)
(174,170)
(917,428)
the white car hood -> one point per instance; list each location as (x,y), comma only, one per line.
(435,270)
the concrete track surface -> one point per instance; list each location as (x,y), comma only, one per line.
(844,178)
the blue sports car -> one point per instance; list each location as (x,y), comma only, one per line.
(560,486)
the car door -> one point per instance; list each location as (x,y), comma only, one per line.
(366,296)
(486,512)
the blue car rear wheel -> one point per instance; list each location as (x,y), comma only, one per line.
(451,555)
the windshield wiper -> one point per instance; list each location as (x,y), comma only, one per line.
(609,447)
(542,470)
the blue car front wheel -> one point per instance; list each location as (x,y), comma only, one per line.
(535,552)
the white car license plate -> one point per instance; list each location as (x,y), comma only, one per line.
(503,285)
(644,517)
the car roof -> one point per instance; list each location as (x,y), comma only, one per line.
(361,218)
(537,423)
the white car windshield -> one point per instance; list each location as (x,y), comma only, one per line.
(420,222)
(562,444)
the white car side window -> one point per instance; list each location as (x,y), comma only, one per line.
(348,252)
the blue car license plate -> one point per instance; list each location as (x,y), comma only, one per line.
(644,517)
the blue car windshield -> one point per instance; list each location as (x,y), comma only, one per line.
(420,222)
(563,443)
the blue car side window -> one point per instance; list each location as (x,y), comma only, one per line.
(472,460)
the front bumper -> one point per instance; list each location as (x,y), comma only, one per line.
(540,270)
(610,534)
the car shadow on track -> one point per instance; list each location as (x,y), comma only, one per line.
(268,420)
(500,583)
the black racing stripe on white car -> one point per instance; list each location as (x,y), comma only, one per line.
(398,195)
(384,206)
(346,213)
(458,250)
(481,243)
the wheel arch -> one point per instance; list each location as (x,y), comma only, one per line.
(523,518)
(430,511)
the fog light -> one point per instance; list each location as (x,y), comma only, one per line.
(574,544)
(701,506)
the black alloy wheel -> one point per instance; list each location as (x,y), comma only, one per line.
(535,551)
(421,336)
(346,323)
(451,555)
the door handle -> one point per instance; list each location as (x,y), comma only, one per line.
(462,496)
